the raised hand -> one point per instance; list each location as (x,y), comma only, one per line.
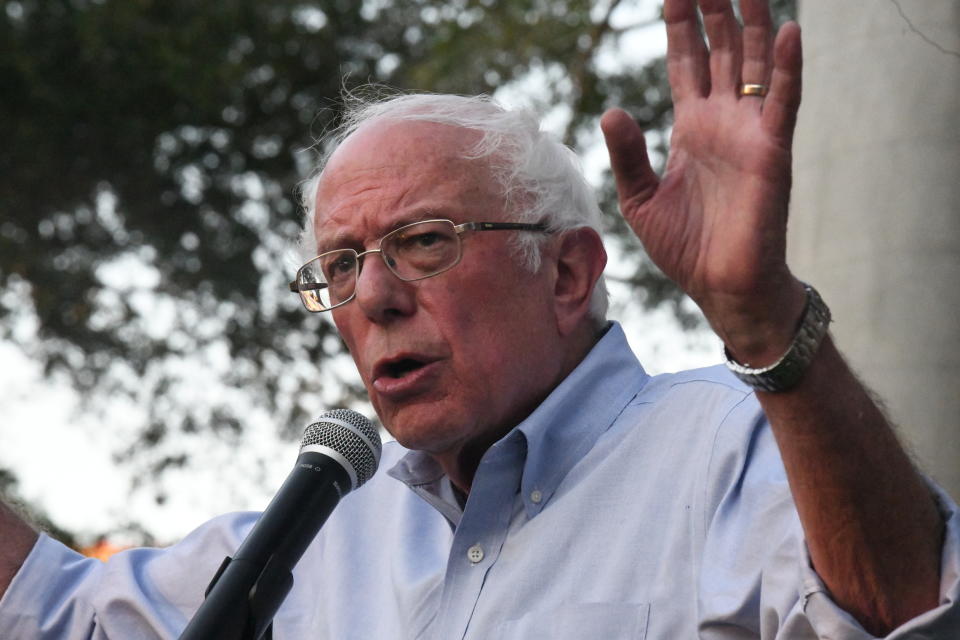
(716,221)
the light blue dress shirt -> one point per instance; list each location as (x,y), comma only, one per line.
(625,506)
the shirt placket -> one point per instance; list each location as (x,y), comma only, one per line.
(480,535)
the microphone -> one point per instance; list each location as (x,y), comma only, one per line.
(338,453)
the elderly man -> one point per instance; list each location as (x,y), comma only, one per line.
(542,485)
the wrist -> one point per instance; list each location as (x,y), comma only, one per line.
(788,370)
(757,329)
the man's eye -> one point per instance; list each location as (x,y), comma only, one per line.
(422,241)
(339,267)
(426,239)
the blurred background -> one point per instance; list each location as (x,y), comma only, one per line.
(154,371)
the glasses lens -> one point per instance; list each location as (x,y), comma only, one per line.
(422,249)
(338,270)
(313,291)
(328,280)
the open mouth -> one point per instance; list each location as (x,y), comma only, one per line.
(400,368)
(405,375)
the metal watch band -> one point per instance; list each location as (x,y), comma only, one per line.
(786,372)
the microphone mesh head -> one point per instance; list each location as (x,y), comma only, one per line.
(349,434)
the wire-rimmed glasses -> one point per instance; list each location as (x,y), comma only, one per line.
(412,252)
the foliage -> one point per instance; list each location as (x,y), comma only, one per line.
(152,150)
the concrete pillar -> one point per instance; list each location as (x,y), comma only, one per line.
(875,222)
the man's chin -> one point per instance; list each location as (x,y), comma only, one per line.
(423,427)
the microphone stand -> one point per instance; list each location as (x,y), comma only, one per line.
(243,608)
(249,587)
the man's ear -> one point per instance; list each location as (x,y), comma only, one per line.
(580,262)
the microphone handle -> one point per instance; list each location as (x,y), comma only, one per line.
(249,588)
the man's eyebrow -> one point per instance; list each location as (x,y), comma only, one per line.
(339,240)
(416,216)
(346,240)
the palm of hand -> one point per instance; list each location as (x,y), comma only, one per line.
(717,220)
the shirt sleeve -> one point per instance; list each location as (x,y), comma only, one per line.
(830,621)
(140,593)
(757,579)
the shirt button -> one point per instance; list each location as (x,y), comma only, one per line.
(536,496)
(475,554)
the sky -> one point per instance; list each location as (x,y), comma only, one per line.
(62,452)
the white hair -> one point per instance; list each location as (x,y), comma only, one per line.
(541,178)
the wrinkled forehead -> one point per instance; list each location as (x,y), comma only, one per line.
(399,171)
(384,143)
(386,132)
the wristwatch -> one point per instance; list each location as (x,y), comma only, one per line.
(786,372)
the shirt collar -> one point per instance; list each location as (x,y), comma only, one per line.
(568,423)
(559,432)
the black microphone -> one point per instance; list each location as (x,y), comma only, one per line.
(338,453)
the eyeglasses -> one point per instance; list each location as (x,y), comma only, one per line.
(412,252)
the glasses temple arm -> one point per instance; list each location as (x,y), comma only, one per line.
(501,226)
(307,286)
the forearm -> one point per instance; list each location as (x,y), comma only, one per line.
(716,224)
(871,525)
(18,540)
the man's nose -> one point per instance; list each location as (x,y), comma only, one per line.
(380,293)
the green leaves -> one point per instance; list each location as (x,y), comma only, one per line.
(152,151)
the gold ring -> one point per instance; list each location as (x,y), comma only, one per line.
(753,90)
